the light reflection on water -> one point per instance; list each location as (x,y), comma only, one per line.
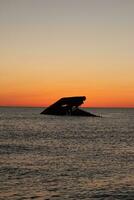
(49,157)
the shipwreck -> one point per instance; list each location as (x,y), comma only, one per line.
(68,106)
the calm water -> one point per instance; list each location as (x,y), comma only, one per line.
(56,158)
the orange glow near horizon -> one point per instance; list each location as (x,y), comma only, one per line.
(93,98)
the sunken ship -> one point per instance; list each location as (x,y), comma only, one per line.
(68,106)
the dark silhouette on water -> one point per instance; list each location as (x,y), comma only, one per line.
(68,106)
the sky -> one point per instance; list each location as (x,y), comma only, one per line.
(56,48)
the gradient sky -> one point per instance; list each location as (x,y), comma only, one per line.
(55,48)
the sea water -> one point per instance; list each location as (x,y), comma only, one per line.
(62,157)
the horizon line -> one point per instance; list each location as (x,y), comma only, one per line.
(17,106)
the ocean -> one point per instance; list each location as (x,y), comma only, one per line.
(62,157)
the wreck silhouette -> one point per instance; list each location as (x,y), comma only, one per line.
(68,106)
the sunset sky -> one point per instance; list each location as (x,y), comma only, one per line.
(55,48)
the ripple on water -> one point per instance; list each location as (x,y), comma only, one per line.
(56,158)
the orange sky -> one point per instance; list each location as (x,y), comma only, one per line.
(69,48)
